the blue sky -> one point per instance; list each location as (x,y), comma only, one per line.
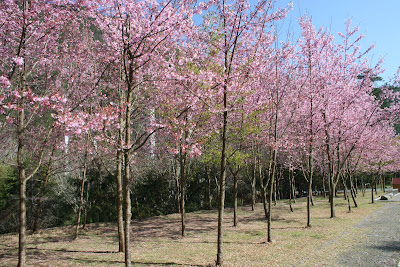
(378,20)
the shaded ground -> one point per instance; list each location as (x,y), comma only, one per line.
(157,241)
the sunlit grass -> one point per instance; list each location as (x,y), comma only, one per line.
(156,241)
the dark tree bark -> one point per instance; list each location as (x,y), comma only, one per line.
(209,199)
(126,178)
(120,214)
(118,179)
(235,191)
(253,187)
(271,191)
(42,191)
(290,189)
(221,196)
(81,189)
(182,185)
(86,205)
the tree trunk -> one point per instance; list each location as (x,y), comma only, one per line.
(81,191)
(221,196)
(353,192)
(209,199)
(235,191)
(294,189)
(21,173)
(269,217)
(372,191)
(309,202)
(118,178)
(182,179)
(128,210)
(178,187)
(86,205)
(276,190)
(253,188)
(331,195)
(290,190)
(126,178)
(42,191)
(263,189)
(120,214)
(271,191)
(22,219)
(346,197)
(310,178)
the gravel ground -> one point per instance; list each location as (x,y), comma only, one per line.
(381,245)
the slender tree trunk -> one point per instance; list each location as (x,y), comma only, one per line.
(42,191)
(253,188)
(128,209)
(22,219)
(372,191)
(20,163)
(294,189)
(271,191)
(178,187)
(182,179)
(81,191)
(331,195)
(126,178)
(353,192)
(86,205)
(118,178)
(209,199)
(221,196)
(263,189)
(346,197)
(235,191)
(310,178)
(269,216)
(276,190)
(290,190)
(120,214)
(356,185)
(309,199)
(332,184)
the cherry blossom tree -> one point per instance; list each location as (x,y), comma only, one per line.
(141,34)
(235,32)
(34,34)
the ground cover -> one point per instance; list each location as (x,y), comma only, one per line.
(157,242)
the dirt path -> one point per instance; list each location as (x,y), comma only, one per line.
(375,240)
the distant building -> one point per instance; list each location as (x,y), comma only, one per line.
(396,183)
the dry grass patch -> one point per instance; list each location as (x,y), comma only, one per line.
(157,241)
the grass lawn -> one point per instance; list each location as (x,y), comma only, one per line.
(157,242)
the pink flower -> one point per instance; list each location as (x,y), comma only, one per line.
(18,60)
(4,81)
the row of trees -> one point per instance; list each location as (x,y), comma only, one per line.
(132,82)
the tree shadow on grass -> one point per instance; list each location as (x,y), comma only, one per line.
(109,262)
(73,251)
(388,246)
